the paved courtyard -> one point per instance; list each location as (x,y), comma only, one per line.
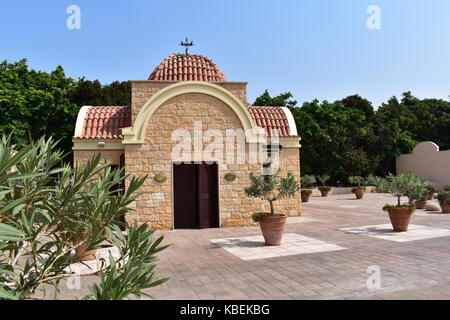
(328,253)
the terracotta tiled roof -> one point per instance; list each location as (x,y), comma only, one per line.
(105,122)
(271,118)
(187,67)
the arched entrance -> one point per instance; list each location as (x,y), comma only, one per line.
(196,196)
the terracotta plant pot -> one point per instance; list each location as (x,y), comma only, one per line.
(421,204)
(359,193)
(272,229)
(82,253)
(305,196)
(445,208)
(324,193)
(430,196)
(400,218)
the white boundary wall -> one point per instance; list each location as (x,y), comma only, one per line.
(427,162)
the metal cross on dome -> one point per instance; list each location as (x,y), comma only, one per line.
(187,44)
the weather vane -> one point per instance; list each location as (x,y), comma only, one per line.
(187,44)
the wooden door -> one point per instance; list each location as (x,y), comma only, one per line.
(185,196)
(196,196)
(208,210)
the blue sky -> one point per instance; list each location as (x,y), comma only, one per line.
(313,48)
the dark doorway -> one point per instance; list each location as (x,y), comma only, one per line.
(196,196)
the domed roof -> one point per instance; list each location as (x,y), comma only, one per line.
(187,67)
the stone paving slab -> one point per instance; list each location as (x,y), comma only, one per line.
(290,220)
(385,232)
(250,248)
(408,270)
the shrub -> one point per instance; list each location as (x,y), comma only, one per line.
(272,188)
(306,191)
(417,192)
(406,206)
(258,216)
(431,189)
(444,197)
(45,206)
(357,181)
(308,181)
(399,185)
(447,187)
(324,188)
(323,178)
(354,189)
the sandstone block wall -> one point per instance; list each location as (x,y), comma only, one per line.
(141,91)
(155,156)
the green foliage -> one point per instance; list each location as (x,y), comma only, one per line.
(35,103)
(258,216)
(324,188)
(403,124)
(134,270)
(323,178)
(272,188)
(337,138)
(417,192)
(46,205)
(447,187)
(430,188)
(354,189)
(444,197)
(349,138)
(308,181)
(403,206)
(403,184)
(356,180)
(93,93)
(306,191)
(282,100)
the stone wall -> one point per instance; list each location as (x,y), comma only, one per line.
(143,90)
(428,162)
(155,156)
(112,156)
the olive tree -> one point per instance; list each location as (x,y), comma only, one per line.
(272,188)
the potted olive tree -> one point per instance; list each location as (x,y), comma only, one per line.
(431,190)
(399,214)
(324,190)
(271,188)
(416,192)
(307,183)
(444,201)
(420,194)
(359,189)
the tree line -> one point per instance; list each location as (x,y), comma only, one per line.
(36,103)
(349,137)
(343,138)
